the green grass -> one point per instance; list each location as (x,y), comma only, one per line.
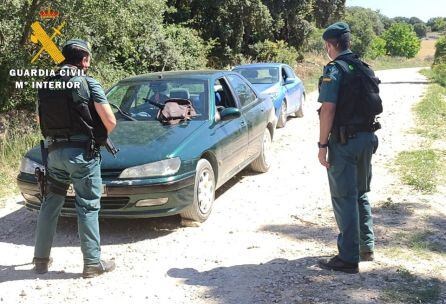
(419,242)
(419,169)
(408,288)
(431,112)
(13,145)
(387,63)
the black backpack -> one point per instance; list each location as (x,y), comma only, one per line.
(360,91)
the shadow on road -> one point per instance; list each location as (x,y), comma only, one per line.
(301,281)
(11,273)
(19,227)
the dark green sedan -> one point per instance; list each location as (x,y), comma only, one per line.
(163,169)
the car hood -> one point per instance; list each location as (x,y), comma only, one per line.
(267,88)
(140,142)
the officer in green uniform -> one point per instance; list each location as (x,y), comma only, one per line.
(70,161)
(348,163)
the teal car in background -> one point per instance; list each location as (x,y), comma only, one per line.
(161,169)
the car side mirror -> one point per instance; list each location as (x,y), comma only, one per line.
(289,80)
(229,114)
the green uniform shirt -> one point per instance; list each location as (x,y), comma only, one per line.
(331,81)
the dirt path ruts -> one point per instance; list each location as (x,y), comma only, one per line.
(260,244)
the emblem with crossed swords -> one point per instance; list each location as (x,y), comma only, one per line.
(48,45)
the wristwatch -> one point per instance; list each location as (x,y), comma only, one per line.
(321,146)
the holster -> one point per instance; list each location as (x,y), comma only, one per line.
(41,181)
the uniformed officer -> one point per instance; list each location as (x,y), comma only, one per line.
(71,161)
(348,163)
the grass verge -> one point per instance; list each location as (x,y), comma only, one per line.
(16,138)
(425,168)
(409,288)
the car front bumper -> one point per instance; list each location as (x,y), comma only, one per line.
(120,198)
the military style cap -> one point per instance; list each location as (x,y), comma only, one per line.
(335,30)
(79,43)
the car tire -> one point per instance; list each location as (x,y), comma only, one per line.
(281,122)
(263,162)
(300,112)
(204,193)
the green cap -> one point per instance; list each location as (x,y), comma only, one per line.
(79,43)
(335,30)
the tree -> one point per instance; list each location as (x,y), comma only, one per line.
(326,12)
(400,19)
(437,24)
(377,48)
(269,51)
(401,40)
(420,29)
(365,24)
(415,20)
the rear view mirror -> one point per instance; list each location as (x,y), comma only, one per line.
(230,113)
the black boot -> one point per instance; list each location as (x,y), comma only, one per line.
(337,264)
(93,270)
(41,265)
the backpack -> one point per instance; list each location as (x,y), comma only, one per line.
(176,110)
(360,93)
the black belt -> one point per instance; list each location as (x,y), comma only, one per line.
(67,144)
(356,128)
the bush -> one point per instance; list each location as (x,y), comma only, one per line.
(269,51)
(439,73)
(377,48)
(314,42)
(420,29)
(401,40)
(440,51)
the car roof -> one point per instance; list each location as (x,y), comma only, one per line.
(198,74)
(261,65)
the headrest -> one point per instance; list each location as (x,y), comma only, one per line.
(180,93)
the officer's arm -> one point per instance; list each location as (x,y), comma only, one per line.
(107,116)
(101,104)
(326,117)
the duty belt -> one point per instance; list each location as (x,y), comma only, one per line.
(67,144)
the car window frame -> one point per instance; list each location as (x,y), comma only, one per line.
(256,94)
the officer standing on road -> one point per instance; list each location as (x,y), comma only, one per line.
(346,145)
(66,120)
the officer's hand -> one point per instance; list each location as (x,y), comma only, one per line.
(323,157)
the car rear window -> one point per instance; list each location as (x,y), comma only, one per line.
(260,75)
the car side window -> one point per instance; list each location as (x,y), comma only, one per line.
(244,92)
(289,72)
(223,95)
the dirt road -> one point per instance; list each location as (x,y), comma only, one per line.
(262,241)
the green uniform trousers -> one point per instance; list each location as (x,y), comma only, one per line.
(349,178)
(69,165)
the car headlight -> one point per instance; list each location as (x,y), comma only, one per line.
(29,166)
(160,168)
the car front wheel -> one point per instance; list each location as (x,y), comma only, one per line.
(263,162)
(204,193)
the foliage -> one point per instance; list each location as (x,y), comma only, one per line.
(314,42)
(439,74)
(440,51)
(365,24)
(377,48)
(269,51)
(401,40)
(437,24)
(420,29)
(326,12)
(415,20)
(127,38)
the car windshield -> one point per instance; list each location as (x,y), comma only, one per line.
(133,98)
(260,75)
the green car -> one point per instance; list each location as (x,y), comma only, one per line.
(161,169)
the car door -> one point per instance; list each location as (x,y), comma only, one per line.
(292,89)
(232,135)
(253,110)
